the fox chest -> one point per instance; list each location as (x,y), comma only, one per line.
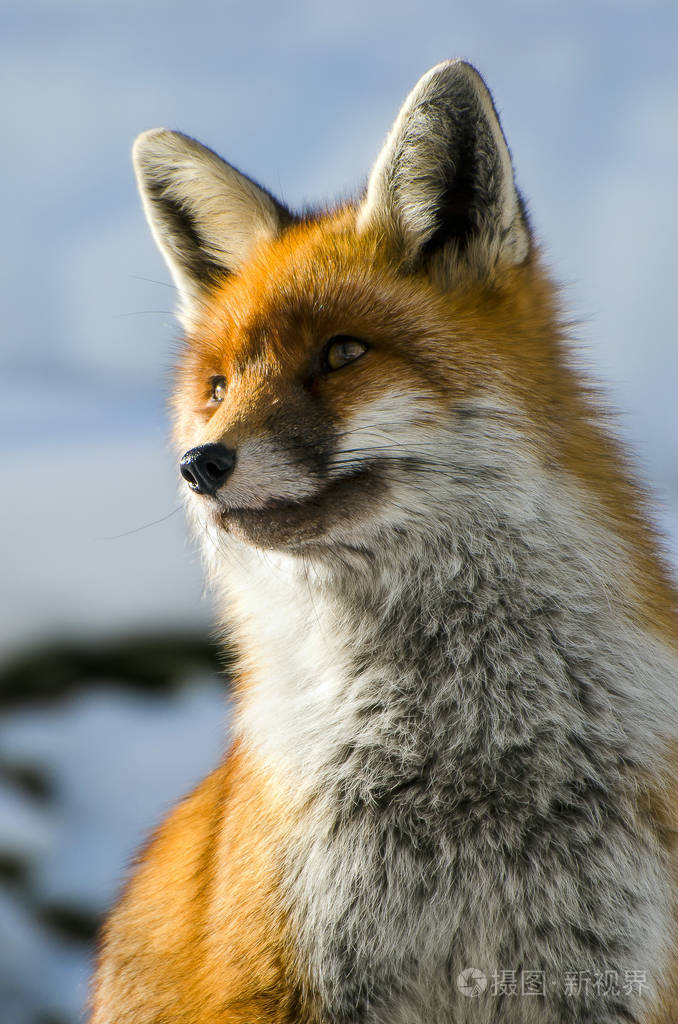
(395,902)
(470,801)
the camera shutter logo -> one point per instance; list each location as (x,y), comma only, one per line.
(471,982)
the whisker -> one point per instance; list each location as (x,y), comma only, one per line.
(144,312)
(151,280)
(146,526)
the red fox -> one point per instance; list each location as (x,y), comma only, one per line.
(450,795)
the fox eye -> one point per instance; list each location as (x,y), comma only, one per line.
(218,387)
(341,350)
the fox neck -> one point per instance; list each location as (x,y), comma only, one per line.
(492,631)
(459,707)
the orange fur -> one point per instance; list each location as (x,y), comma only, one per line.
(198,936)
(503,336)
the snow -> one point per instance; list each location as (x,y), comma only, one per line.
(117,762)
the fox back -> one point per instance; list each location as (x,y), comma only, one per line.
(450,795)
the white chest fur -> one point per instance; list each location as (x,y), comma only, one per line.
(465,719)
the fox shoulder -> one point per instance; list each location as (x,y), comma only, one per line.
(198,933)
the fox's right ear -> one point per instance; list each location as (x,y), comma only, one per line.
(206,216)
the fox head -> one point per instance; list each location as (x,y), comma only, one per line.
(365,368)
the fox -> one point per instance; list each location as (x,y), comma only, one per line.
(450,791)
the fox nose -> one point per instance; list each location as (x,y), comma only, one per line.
(207,467)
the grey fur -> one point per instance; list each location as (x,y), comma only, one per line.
(470,779)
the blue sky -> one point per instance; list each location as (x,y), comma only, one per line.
(299,95)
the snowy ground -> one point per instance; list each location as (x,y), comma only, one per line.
(83,777)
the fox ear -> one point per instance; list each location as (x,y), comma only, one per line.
(206,216)
(443,183)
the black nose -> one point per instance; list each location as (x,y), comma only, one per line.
(207,467)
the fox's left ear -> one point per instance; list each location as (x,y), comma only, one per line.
(206,216)
(443,183)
